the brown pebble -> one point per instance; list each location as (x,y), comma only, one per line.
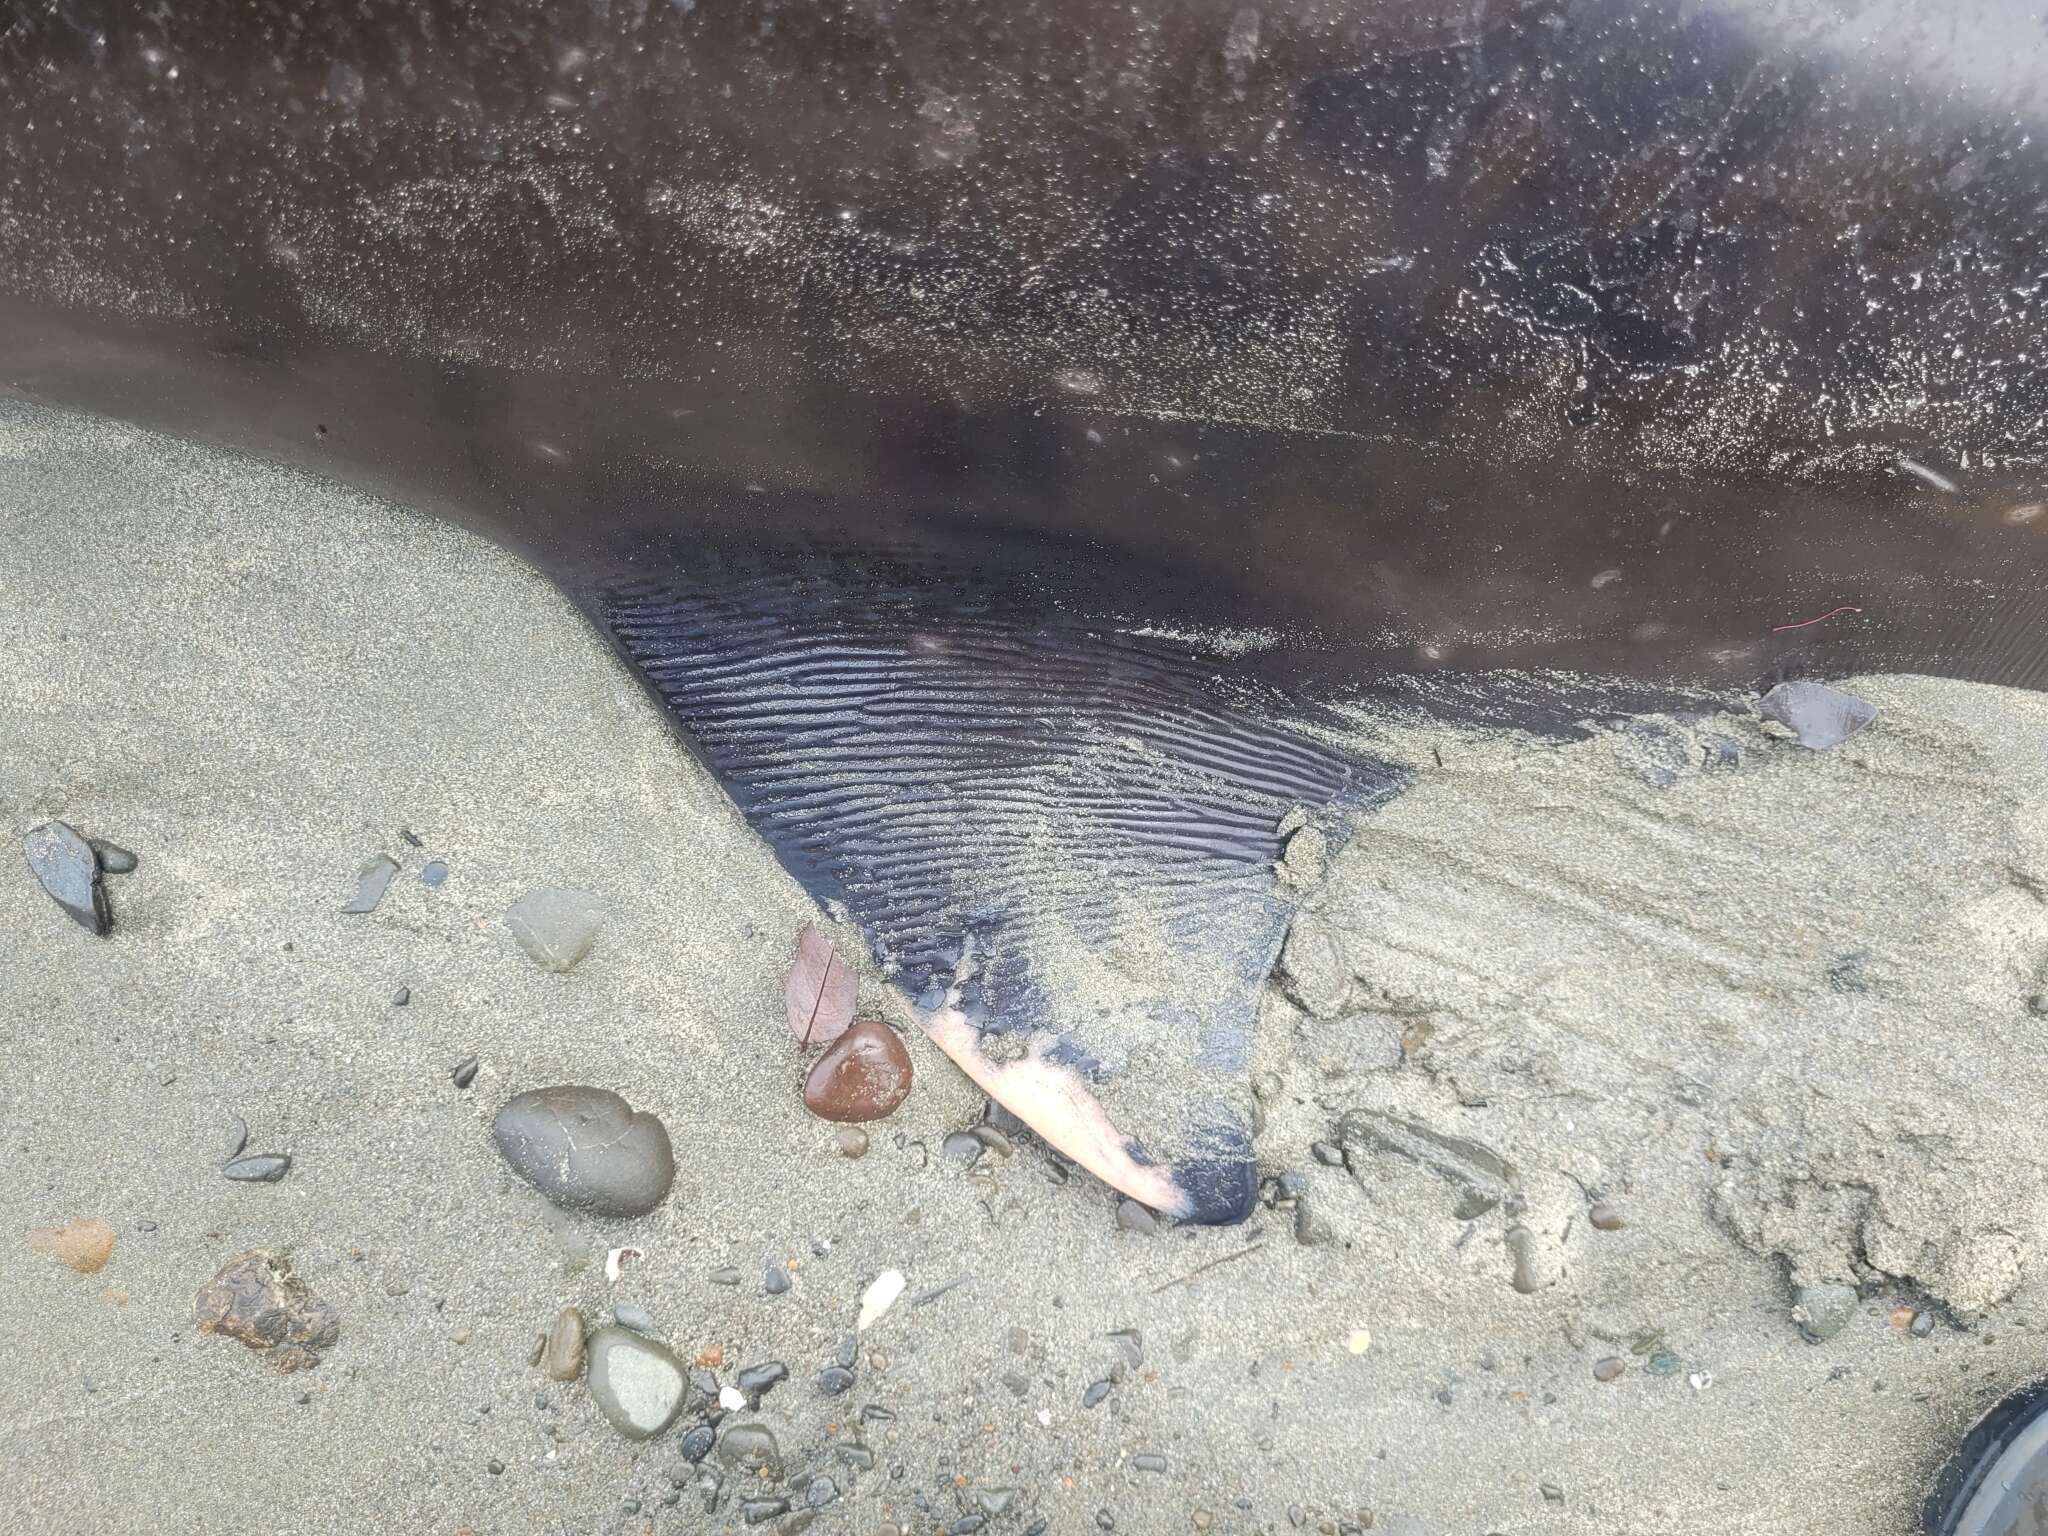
(562,1360)
(116,1295)
(84,1245)
(1609,1369)
(1606,1217)
(1902,1317)
(863,1075)
(853,1141)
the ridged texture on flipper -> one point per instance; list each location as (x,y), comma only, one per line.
(1058,827)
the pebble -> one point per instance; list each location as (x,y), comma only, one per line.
(401,997)
(237,1138)
(114,859)
(636,1382)
(853,1141)
(1819,716)
(1605,1217)
(1521,1246)
(834,1379)
(2038,1004)
(752,1446)
(756,1380)
(993,1139)
(995,1501)
(821,1492)
(962,1149)
(848,1351)
(259,1168)
(1922,1325)
(495,1467)
(69,873)
(371,883)
(562,1352)
(627,1315)
(1147,1462)
(434,873)
(966,1525)
(587,1149)
(863,1075)
(555,928)
(1104,1520)
(1097,1391)
(725,1275)
(411,837)
(1664,1363)
(1358,1341)
(1609,1369)
(1133,1217)
(775,1280)
(1482,1177)
(464,1072)
(755,1511)
(257,1299)
(84,1245)
(696,1444)
(1129,1342)
(858,1456)
(731,1399)
(1328,1154)
(1824,1311)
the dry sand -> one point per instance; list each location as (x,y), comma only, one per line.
(1774,1013)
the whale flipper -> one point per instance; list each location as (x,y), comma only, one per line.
(1058,836)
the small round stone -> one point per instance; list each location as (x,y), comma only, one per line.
(434,873)
(1148,1462)
(259,1168)
(852,1140)
(1609,1369)
(1824,1310)
(961,1148)
(752,1446)
(401,997)
(555,928)
(758,1379)
(464,1073)
(775,1280)
(628,1315)
(586,1149)
(1133,1217)
(1097,1391)
(1606,1218)
(821,1492)
(637,1383)
(863,1075)
(495,1466)
(834,1379)
(696,1444)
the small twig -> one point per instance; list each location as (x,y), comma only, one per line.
(1228,1258)
(933,1295)
(1779,629)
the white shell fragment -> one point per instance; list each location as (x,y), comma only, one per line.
(880,1296)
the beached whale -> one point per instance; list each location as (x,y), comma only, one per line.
(1002,440)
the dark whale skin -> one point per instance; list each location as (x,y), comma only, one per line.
(997,435)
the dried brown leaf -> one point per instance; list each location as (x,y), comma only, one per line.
(820,991)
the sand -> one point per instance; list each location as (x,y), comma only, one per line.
(1774,1013)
